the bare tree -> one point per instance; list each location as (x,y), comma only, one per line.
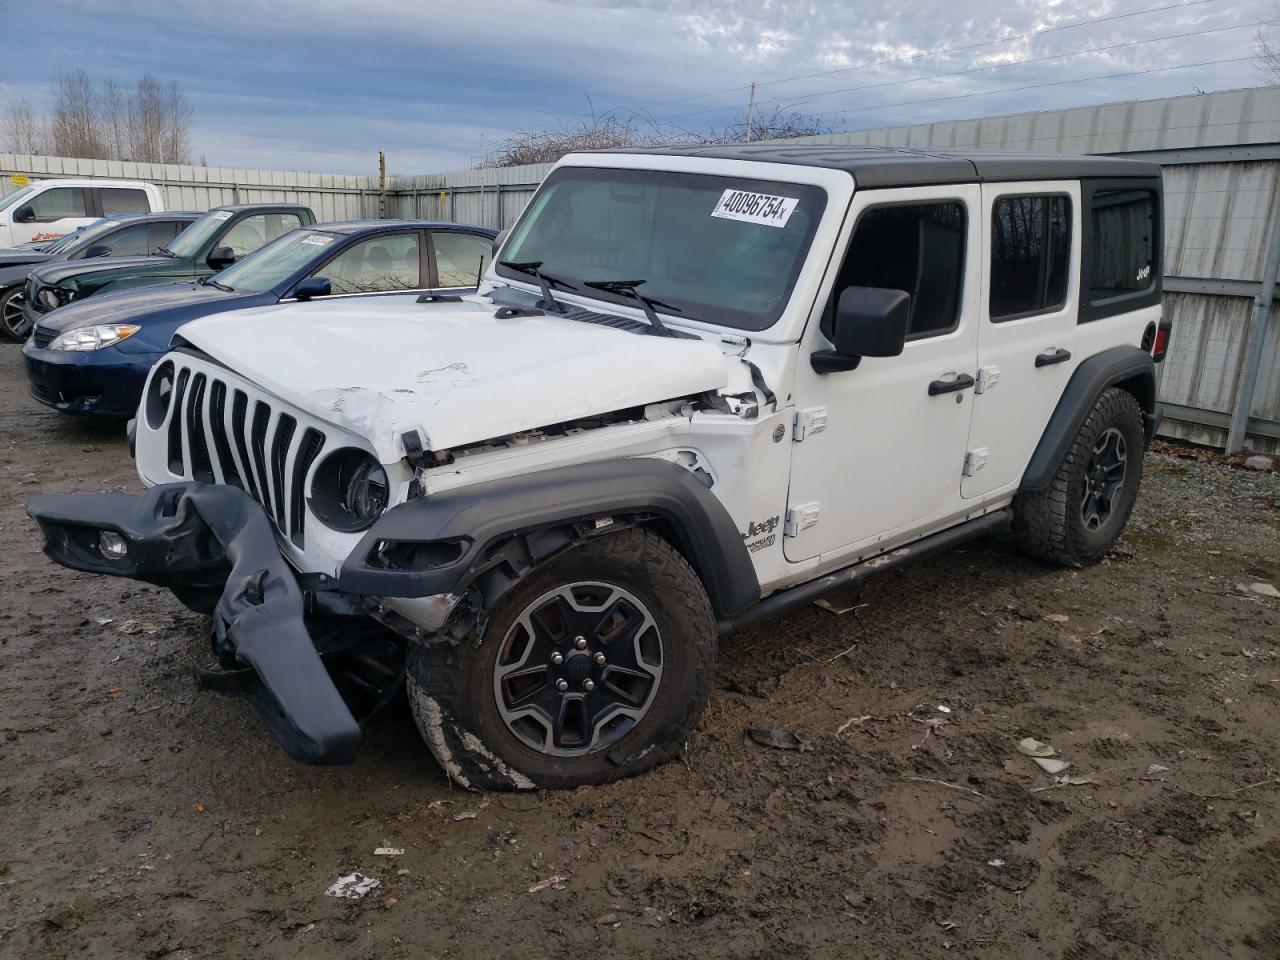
(114,104)
(778,125)
(1268,56)
(75,126)
(23,131)
(177,124)
(147,121)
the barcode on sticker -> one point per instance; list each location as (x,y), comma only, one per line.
(755,207)
(318,240)
(222,215)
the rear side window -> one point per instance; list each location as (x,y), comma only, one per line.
(58,203)
(919,248)
(122,200)
(460,258)
(1030,255)
(1123,242)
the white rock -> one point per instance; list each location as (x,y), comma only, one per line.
(1049,765)
(1259,590)
(1260,462)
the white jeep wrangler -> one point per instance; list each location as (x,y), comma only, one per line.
(697,388)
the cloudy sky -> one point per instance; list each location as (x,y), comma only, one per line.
(322,85)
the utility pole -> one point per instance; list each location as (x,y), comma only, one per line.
(751,109)
(382,184)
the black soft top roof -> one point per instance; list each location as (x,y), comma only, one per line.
(905,167)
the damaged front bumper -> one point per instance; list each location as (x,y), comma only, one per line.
(214,547)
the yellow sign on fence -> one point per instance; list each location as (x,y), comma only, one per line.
(20,179)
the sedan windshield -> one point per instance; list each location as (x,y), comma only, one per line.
(190,240)
(83,237)
(723,250)
(275,263)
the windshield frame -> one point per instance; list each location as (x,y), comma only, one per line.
(815,197)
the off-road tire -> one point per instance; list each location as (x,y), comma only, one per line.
(6,333)
(451,685)
(1048,524)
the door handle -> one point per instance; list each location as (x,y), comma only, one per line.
(961,381)
(1050,357)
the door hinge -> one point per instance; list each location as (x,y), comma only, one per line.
(801,517)
(808,422)
(975,460)
(987,378)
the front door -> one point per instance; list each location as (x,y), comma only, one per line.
(1027,330)
(55,212)
(880,449)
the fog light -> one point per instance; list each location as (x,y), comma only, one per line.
(112,546)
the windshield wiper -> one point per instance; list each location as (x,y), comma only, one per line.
(627,288)
(210,282)
(166,252)
(545,280)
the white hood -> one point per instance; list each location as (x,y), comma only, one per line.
(381,366)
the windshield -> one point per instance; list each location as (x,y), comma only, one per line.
(83,237)
(9,199)
(723,250)
(190,240)
(275,263)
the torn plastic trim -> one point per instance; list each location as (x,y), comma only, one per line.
(215,548)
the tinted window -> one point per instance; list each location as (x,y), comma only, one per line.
(163,232)
(1030,255)
(1122,255)
(128,242)
(724,250)
(58,203)
(915,247)
(120,200)
(376,265)
(460,258)
(252,232)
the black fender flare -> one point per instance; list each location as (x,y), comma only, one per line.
(1126,366)
(459,527)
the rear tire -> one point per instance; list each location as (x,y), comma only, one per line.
(1081,514)
(13,326)
(595,667)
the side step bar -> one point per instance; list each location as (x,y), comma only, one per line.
(803,593)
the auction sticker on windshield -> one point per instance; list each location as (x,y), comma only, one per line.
(318,240)
(755,208)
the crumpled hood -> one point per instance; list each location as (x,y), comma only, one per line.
(382,366)
(53,273)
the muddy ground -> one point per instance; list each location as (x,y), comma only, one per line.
(139,820)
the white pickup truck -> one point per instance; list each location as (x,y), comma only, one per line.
(48,209)
(697,388)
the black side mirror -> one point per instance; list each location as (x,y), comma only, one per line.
(313,287)
(869,322)
(221,257)
(24,214)
(498,240)
(97,250)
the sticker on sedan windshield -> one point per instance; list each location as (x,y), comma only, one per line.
(222,215)
(755,208)
(317,240)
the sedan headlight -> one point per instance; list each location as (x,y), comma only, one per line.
(95,337)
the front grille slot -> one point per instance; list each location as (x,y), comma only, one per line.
(42,336)
(177,461)
(221,446)
(285,426)
(258,447)
(310,447)
(197,439)
(239,420)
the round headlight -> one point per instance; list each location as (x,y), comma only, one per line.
(349,490)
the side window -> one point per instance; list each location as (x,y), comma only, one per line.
(1122,243)
(163,231)
(130,241)
(122,200)
(376,265)
(58,203)
(1030,255)
(252,232)
(917,247)
(460,258)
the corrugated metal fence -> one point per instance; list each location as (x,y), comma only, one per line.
(1220,153)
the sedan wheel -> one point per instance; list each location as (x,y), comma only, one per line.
(13,325)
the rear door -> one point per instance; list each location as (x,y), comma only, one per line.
(1027,333)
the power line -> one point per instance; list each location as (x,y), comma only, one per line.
(795,101)
(932,53)
(1031,86)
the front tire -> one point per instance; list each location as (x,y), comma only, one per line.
(13,325)
(1081,514)
(596,667)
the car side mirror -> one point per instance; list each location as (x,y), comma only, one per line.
(498,241)
(24,214)
(868,322)
(97,250)
(221,257)
(313,287)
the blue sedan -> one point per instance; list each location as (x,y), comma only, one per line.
(93,357)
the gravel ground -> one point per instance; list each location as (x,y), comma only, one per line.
(143,820)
